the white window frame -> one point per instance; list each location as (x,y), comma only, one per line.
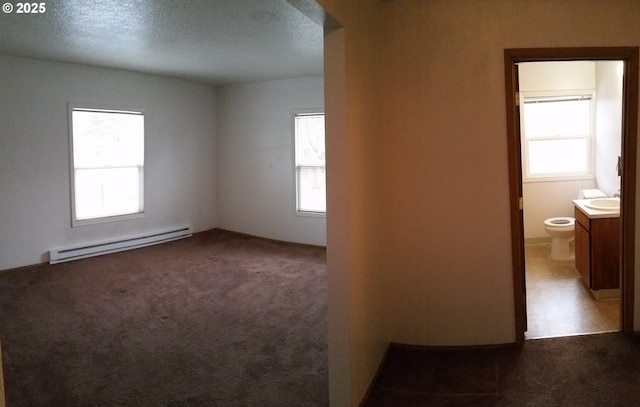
(589,174)
(140,213)
(298,167)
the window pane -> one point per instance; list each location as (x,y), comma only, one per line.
(105,139)
(559,156)
(556,118)
(108,163)
(312,189)
(310,148)
(107,192)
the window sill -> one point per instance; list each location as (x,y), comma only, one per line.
(559,178)
(106,219)
(311,214)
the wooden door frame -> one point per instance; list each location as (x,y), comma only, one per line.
(628,180)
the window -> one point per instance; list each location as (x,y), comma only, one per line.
(107,164)
(311,185)
(557,136)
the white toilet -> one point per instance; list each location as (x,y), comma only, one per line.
(562,232)
(562,229)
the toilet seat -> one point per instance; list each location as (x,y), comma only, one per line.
(562,232)
(560,222)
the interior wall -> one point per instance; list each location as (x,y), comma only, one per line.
(608,125)
(339,288)
(365,172)
(447,231)
(353,94)
(543,200)
(557,75)
(255,159)
(35,211)
(446,196)
(446,236)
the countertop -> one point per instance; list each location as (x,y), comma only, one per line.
(594,213)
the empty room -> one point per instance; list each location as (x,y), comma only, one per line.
(335,187)
(194,134)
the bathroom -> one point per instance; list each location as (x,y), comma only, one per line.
(556,298)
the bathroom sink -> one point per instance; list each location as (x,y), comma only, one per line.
(604,204)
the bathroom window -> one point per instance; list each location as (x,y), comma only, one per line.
(311,185)
(107,164)
(557,141)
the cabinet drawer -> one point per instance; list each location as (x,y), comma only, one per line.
(582,219)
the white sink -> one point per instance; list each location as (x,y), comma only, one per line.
(604,204)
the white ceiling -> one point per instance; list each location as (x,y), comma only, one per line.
(213,41)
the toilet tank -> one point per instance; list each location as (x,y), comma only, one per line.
(591,194)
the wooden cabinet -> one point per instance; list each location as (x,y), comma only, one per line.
(583,258)
(597,247)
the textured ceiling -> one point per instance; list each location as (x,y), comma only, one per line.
(213,41)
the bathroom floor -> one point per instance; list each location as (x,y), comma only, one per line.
(559,303)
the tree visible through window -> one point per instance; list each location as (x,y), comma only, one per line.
(107,163)
(311,186)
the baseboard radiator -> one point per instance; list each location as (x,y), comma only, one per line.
(117,245)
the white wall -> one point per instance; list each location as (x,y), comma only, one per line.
(569,75)
(35,213)
(608,124)
(255,167)
(544,200)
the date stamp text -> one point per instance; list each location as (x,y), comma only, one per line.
(24,8)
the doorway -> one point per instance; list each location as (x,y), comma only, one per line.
(570,139)
(629,57)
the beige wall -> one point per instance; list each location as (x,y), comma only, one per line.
(429,260)
(356,336)
(447,231)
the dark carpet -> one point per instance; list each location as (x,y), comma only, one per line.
(223,320)
(217,320)
(593,370)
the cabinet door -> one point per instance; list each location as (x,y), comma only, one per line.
(583,254)
(605,253)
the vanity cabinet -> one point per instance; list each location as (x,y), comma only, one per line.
(597,248)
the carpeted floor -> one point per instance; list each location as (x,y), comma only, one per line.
(216,320)
(225,320)
(592,370)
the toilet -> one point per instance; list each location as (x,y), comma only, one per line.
(561,230)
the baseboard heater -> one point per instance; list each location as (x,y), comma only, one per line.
(117,245)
